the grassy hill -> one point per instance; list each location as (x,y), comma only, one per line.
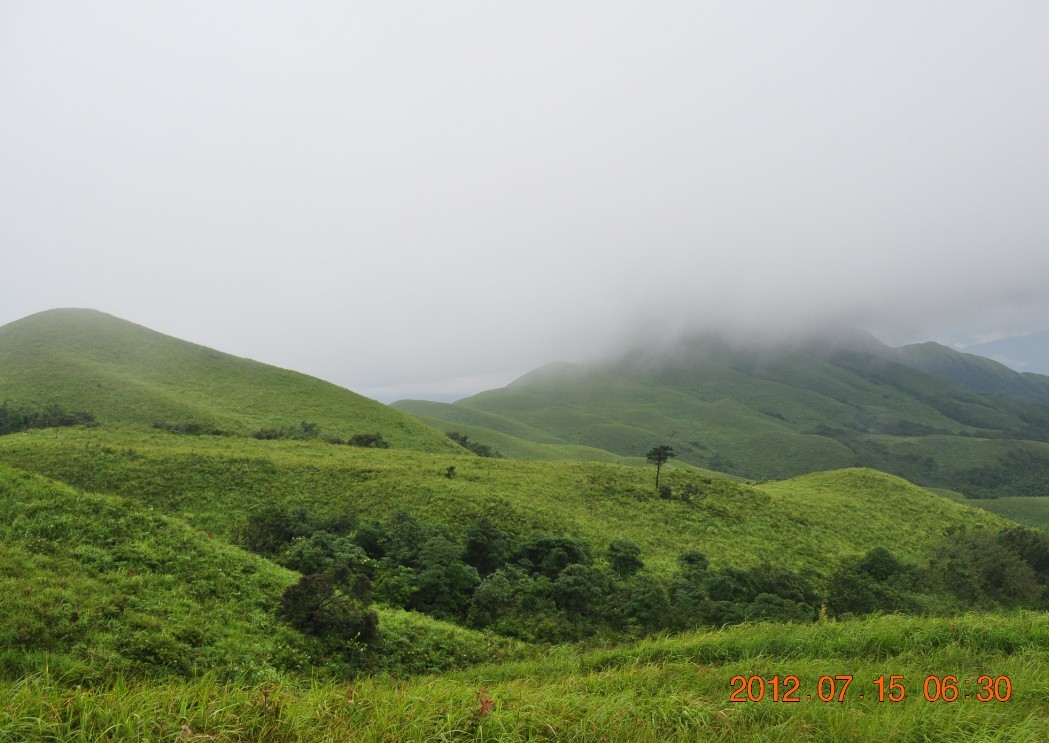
(213,482)
(124,373)
(1033,512)
(94,586)
(1027,352)
(777,409)
(494,432)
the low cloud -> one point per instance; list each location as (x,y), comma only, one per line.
(393,200)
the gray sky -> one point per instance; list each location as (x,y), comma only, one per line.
(427,198)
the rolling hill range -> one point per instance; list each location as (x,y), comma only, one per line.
(212,483)
(974,373)
(767,410)
(123,373)
(1029,353)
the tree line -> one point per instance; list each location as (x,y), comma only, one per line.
(552,588)
(18,418)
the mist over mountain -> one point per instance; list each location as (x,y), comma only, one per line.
(775,406)
(1025,353)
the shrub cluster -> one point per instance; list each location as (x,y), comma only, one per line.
(191,428)
(305,430)
(23,417)
(481,450)
(308,430)
(541,587)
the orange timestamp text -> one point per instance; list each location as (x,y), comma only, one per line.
(789,688)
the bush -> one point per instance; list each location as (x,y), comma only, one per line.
(324,552)
(271,527)
(269,434)
(487,547)
(481,450)
(983,568)
(331,605)
(624,557)
(368,441)
(191,428)
(304,431)
(548,556)
(14,420)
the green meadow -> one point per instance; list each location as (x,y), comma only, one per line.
(211,482)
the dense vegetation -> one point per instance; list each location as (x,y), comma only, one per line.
(17,418)
(93,586)
(554,589)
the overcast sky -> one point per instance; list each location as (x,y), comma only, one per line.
(428,198)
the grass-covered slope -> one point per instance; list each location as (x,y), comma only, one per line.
(975,373)
(662,689)
(97,585)
(212,483)
(125,373)
(1033,512)
(491,431)
(774,410)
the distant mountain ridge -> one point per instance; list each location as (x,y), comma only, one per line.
(124,373)
(772,409)
(1025,353)
(975,373)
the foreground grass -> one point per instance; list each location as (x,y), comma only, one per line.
(674,688)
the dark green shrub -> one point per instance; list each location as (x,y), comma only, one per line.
(368,441)
(581,590)
(15,419)
(331,605)
(481,450)
(323,552)
(444,582)
(548,556)
(268,434)
(624,557)
(191,428)
(487,547)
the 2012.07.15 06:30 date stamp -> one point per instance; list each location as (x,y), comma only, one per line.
(884,688)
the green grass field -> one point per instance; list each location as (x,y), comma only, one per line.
(212,483)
